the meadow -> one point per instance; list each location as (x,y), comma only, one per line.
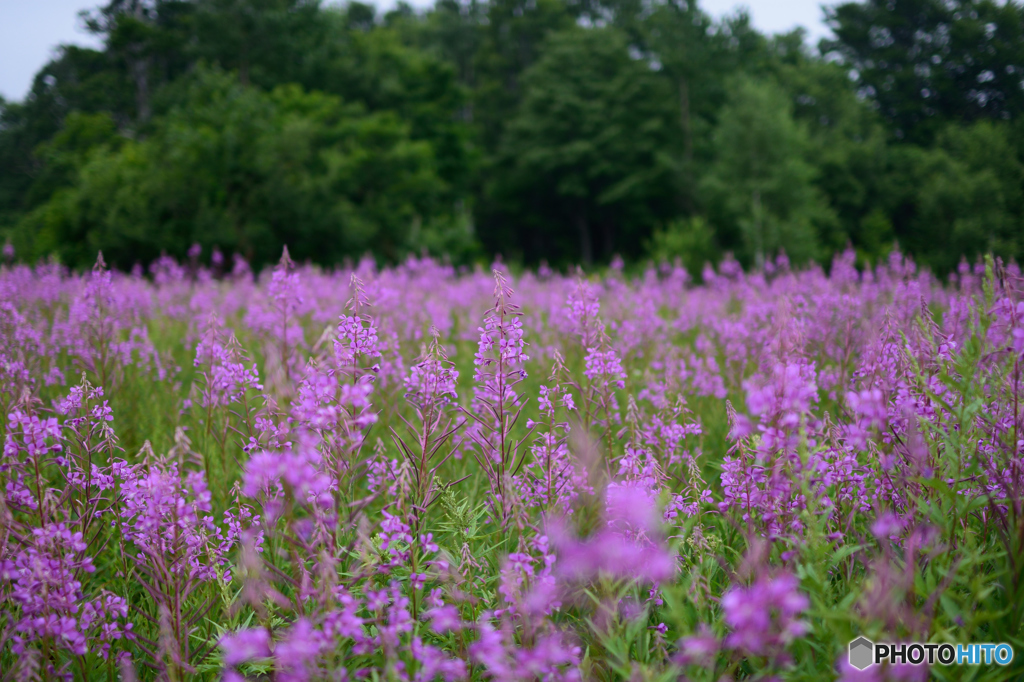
(423,473)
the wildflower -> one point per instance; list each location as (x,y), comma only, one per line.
(245,645)
(764,617)
(699,649)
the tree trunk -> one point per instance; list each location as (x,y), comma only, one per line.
(140,74)
(687,128)
(139,68)
(758,229)
(608,244)
(586,249)
(684,121)
(243,60)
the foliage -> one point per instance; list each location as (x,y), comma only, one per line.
(241,169)
(691,241)
(760,189)
(567,150)
(930,62)
(562,131)
(971,189)
(408,473)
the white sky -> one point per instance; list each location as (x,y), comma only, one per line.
(31,29)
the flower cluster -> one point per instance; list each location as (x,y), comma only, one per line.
(370,473)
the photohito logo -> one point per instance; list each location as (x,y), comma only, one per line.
(864,653)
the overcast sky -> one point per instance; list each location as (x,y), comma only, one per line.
(31,29)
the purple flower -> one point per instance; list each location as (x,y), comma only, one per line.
(295,655)
(631,546)
(887,526)
(764,617)
(604,368)
(444,618)
(699,649)
(245,645)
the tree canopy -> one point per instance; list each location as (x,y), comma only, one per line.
(541,130)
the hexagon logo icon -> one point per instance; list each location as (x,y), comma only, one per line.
(862,653)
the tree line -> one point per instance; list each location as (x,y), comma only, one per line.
(562,131)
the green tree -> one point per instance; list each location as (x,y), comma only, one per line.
(248,171)
(846,145)
(690,240)
(585,168)
(145,39)
(678,35)
(454,30)
(267,42)
(564,130)
(512,36)
(371,64)
(963,198)
(76,80)
(760,190)
(928,62)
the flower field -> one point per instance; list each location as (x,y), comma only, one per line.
(418,473)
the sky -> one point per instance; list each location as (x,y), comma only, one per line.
(30,30)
